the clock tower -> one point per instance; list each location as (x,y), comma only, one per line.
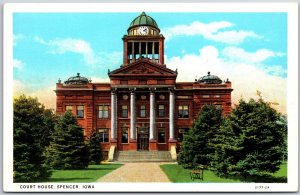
(143,40)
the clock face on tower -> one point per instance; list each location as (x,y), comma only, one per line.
(143,30)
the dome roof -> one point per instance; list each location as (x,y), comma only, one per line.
(77,80)
(210,79)
(143,20)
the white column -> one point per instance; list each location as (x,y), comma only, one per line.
(152,115)
(171,116)
(133,54)
(132,116)
(153,51)
(140,49)
(113,133)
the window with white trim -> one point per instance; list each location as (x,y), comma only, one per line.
(161,110)
(124,112)
(104,135)
(80,111)
(103,111)
(69,108)
(143,111)
(183,111)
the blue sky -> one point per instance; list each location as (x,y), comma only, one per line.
(248,48)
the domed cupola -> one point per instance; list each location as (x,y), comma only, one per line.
(77,80)
(143,41)
(143,25)
(210,79)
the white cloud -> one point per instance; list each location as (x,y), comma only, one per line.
(18,64)
(257,58)
(195,28)
(16,38)
(45,95)
(109,60)
(215,31)
(246,78)
(231,37)
(240,55)
(276,70)
(61,46)
(82,47)
(40,40)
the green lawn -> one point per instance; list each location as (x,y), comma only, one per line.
(90,174)
(282,171)
(176,173)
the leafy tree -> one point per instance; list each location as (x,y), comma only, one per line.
(95,148)
(67,149)
(197,147)
(28,128)
(249,141)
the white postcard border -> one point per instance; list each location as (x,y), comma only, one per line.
(292,93)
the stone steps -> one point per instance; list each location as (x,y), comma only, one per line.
(143,156)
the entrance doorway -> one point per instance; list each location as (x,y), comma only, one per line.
(143,138)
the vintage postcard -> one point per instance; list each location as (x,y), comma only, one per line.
(151,97)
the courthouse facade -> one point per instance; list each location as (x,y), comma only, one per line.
(143,107)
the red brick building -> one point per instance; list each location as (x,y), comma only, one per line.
(143,107)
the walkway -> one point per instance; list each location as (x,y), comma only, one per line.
(136,172)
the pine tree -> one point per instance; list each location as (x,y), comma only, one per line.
(283,124)
(29,125)
(67,149)
(249,142)
(49,122)
(95,148)
(197,147)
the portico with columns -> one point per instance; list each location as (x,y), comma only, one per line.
(143,134)
(146,89)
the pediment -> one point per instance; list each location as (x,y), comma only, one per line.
(143,67)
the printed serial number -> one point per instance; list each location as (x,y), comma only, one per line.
(262,187)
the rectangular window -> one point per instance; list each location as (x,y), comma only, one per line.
(161,135)
(183,111)
(125,135)
(181,133)
(143,111)
(104,135)
(161,110)
(124,111)
(80,112)
(103,111)
(69,108)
